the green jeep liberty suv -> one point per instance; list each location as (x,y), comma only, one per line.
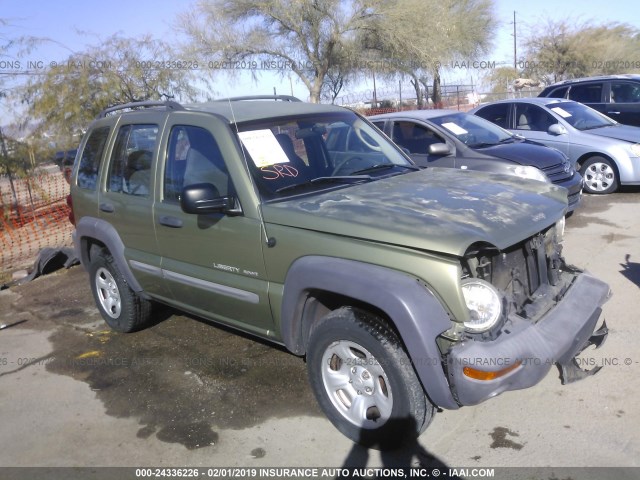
(405,289)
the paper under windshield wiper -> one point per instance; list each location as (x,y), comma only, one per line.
(336,179)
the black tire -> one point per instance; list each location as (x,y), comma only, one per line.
(600,175)
(122,309)
(382,404)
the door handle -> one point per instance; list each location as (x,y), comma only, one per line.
(107,207)
(615,113)
(169,221)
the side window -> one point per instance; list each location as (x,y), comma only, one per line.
(91,156)
(622,92)
(414,137)
(589,93)
(130,167)
(496,114)
(193,157)
(532,117)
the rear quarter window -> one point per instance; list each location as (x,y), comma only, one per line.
(89,164)
(558,93)
(588,93)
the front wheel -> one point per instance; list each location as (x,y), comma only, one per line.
(364,380)
(599,175)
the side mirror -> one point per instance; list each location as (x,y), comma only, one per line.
(201,198)
(556,129)
(440,149)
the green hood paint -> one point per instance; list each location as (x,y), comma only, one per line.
(437,209)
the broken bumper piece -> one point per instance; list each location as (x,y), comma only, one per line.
(524,352)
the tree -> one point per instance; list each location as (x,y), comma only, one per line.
(12,48)
(419,38)
(68,96)
(312,39)
(563,49)
(500,79)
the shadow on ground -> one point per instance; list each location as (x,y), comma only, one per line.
(631,270)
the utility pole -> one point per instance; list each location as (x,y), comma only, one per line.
(375,95)
(515,57)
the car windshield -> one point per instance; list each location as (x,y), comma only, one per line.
(580,116)
(473,131)
(312,153)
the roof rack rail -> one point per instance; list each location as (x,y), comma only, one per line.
(284,98)
(169,105)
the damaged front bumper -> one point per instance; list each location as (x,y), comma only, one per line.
(525,352)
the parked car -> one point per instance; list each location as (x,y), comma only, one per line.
(64,159)
(606,153)
(448,138)
(405,289)
(617,96)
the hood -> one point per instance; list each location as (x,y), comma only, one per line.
(526,153)
(438,209)
(627,133)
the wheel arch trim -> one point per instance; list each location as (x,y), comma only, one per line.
(415,312)
(89,228)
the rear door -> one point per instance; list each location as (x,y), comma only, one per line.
(590,93)
(624,102)
(126,196)
(212,263)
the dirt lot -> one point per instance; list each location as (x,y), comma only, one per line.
(184,393)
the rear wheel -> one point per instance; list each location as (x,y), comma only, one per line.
(364,380)
(600,176)
(119,305)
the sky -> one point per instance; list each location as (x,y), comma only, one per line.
(71,25)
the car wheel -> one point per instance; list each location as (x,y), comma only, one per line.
(121,307)
(364,380)
(600,176)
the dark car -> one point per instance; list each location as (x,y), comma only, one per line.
(64,159)
(448,138)
(617,96)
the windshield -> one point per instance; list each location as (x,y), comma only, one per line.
(580,116)
(473,131)
(311,153)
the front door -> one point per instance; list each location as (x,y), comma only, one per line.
(212,263)
(416,138)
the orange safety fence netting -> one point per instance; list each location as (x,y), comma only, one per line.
(34,217)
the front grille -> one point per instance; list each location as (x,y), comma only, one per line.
(559,173)
(523,273)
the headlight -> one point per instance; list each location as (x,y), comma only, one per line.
(532,173)
(635,149)
(484,304)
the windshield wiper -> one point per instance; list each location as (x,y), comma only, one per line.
(336,179)
(482,145)
(385,166)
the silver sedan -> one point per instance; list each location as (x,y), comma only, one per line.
(606,153)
